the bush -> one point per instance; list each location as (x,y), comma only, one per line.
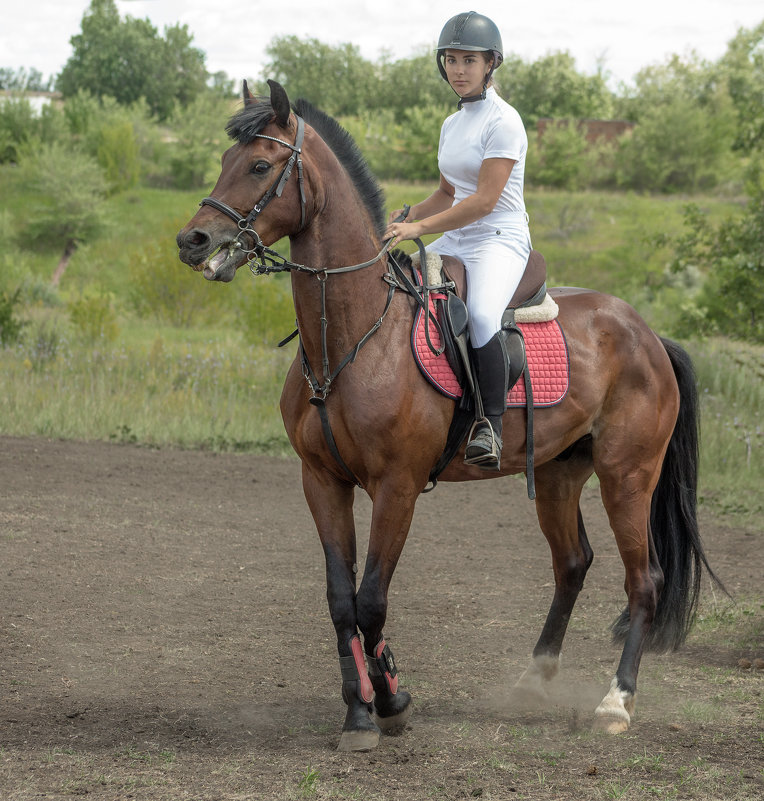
(677,147)
(94,318)
(11,327)
(267,310)
(118,154)
(70,189)
(559,158)
(164,289)
(199,139)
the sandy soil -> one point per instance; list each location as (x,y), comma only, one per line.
(165,636)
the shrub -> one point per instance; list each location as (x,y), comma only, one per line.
(11,327)
(118,154)
(266,312)
(18,125)
(70,189)
(559,158)
(163,288)
(94,318)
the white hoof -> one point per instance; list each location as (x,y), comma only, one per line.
(613,715)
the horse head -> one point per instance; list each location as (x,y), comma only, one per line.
(233,222)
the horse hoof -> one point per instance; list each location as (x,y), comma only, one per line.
(611,724)
(359,740)
(393,723)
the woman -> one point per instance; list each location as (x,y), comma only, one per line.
(479,209)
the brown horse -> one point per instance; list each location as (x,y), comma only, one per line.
(630,415)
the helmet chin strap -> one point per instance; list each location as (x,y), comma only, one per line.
(474,98)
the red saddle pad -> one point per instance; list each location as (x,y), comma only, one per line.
(546,354)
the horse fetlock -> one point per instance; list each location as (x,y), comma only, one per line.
(534,680)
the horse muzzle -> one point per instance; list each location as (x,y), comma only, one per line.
(217,261)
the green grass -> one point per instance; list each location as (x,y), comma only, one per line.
(221,393)
(182,362)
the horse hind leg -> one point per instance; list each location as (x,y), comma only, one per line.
(558,489)
(628,505)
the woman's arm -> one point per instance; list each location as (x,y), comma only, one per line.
(434,216)
(440,200)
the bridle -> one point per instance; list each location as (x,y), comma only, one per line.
(263,260)
(246,224)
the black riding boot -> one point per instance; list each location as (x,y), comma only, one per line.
(492,369)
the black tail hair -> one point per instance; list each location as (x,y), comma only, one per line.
(673,520)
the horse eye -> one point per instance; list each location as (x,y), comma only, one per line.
(261,167)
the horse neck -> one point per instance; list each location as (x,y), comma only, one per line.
(340,235)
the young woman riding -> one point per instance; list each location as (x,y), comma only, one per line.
(479,208)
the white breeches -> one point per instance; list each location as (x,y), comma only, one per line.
(494,260)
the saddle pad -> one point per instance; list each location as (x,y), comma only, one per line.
(546,353)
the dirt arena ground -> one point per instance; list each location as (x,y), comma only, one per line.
(165,636)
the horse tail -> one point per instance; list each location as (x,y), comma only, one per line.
(673,520)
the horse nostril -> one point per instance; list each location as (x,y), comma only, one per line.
(195,239)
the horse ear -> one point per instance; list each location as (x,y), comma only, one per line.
(248,96)
(280,104)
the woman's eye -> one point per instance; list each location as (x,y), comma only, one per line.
(261,167)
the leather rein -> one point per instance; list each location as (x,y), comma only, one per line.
(263,260)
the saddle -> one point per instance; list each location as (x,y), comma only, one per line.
(444,280)
(530,292)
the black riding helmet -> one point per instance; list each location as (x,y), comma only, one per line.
(470,31)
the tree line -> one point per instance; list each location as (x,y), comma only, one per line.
(140,106)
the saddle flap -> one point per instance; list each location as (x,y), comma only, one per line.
(456,309)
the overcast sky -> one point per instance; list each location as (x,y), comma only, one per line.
(624,35)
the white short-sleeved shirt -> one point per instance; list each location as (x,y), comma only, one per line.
(485,129)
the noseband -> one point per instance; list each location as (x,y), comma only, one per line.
(246,224)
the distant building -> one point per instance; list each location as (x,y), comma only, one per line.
(594,130)
(37,100)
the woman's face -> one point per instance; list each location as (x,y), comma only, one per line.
(466,71)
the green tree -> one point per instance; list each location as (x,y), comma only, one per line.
(552,87)
(24,80)
(685,128)
(69,189)
(680,146)
(413,83)
(199,139)
(128,60)
(337,80)
(731,259)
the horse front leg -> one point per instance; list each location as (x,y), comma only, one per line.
(331,504)
(391,519)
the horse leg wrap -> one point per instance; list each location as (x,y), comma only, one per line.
(383,666)
(355,677)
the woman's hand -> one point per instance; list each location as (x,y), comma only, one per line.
(398,214)
(398,231)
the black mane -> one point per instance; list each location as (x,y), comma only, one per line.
(250,121)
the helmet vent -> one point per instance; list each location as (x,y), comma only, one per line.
(461,21)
